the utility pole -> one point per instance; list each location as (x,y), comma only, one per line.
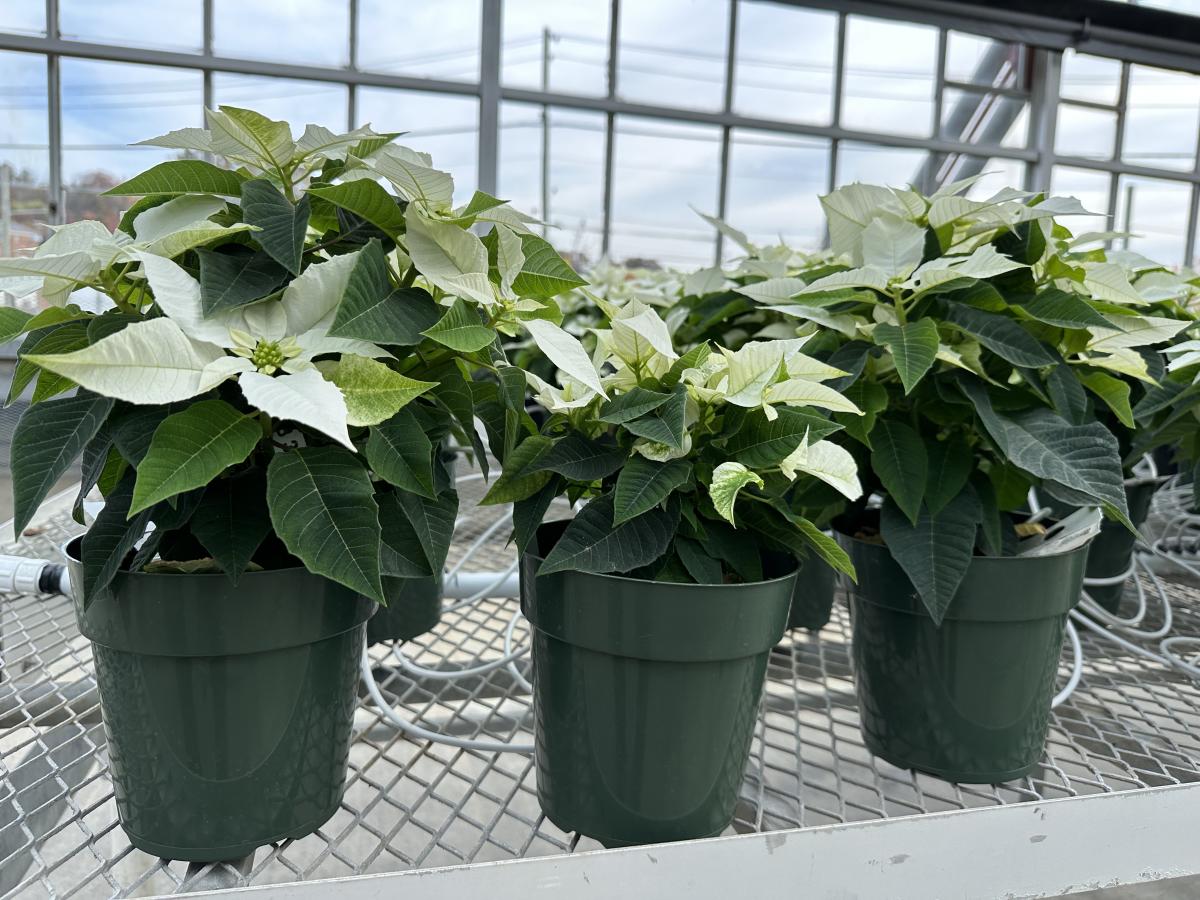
(5,209)
(546,133)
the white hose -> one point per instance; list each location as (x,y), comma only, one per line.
(1076,667)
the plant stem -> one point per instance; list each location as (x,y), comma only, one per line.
(409,277)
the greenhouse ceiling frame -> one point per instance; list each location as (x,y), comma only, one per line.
(1168,40)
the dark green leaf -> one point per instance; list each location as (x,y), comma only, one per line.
(591,543)
(644,483)
(232,520)
(521,476)
(914,348)
(1114,392)
(665,425)
(401,553)
(461,329)
(1025,243)
(580,458)
(1066,310)
(544,274)
(690,360)
(433,521)
(109,540)
(12,323)
(798,534)
(282,224)
(528,513)
(900,462)
(1067,394)
(454,392)
(323,508)
(235,278)
(935,550)
(703,568)
(1001,335)
(401,454)
(182,176)
(53,339)
(47,439)
(634,403)
(950,465)
(760,443)
(95,457)
(368,200)
(991,532)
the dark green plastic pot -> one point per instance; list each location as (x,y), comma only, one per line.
(1112,549)
(812,601)
(227,708)
(414,606)
(968,701)
(646,694)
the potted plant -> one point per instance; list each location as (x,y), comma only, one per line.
(288,346)
(982,357)
(654,609)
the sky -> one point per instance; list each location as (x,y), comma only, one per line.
(671,53)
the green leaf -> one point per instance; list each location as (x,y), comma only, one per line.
(633,404)
(914,348)
(591,543)
(401,453)
(65,338)
(693,359)
(47,439)
(580,458)
(401,553)
(643,484)
(934,551)
(1085,458)
(282,225)
(950,465)
(182,176)
(1112,391)
(702,567)
(1066,310)
(454,393)
(243,135)
(728,479)
(1025,243)
(992,523)
(192,447)
(96,455)
(544,274)
(1001,335)
(433,522)
(232,279)
(366,199)
(899,460)
(374,392)
(323,508)
(372,311)
(461,329)
(762,443)
(527,514)
(799,534)
(521,476)
(1067,394)
(232,521)
(111,537)
(13,323)
(665,425)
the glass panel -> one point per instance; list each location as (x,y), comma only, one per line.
(24,153)
(444,126)
(1090,188)
(1187,7)
(551,45)
(1090,78)
(23,18)
(873,164)
(572,185)
(889,79)
(106,106)
(660,170)
(996,174)
(673,53)
(774,182)
(1156,211)
(979,60)
(1161,119)
(293,101)
(784,63)
(978,118)
(439,40)
(136,23)
(313,32)
(1085,132)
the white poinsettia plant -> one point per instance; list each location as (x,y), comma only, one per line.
(291,338)
(685,459)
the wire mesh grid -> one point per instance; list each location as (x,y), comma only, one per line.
(413,804)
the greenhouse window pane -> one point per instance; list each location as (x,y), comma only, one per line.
(975,117)
(888,84)
(24,152)
(1085,132)
(660,170)
(106,106)
(1092,78)
(784,63)
(1161,119)
(313,32)
(137,23)
(774,183)
(994,174)
(672,53)
(444,126)
(551,45)
(23,18)
(978,60)
(1091,188)
(873,164)
(290,100)
(1156,212)
(432,40)
(573,182)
